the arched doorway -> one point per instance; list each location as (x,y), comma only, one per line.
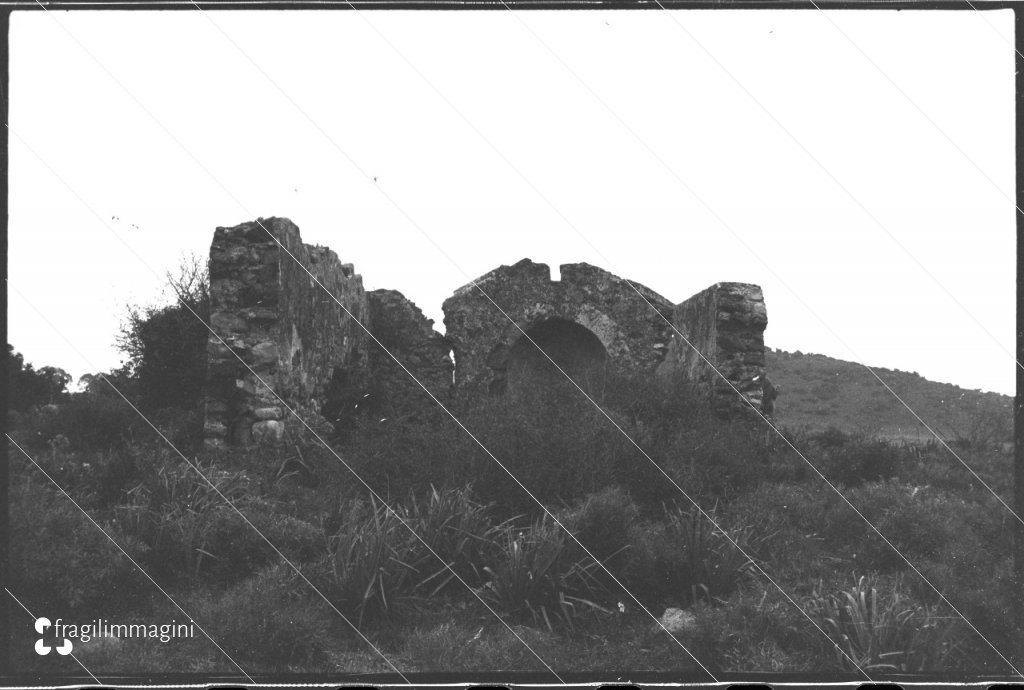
(573,348)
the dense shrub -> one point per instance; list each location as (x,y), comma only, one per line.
(166,346)
(272,619)
(561,448)
(555,443)
(790,519)
(858,460)
(87,421)
(194,534)
(714,563)
(396,457)
(756,629)
(604,523)
(61,563)
(28,387)
(918,523)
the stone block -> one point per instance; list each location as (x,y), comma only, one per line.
(214,429)
(678,622)
(269,431)
(226,323)
(265,353)
(264,413)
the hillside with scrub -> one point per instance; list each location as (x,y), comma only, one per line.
(819,392)
(551,541)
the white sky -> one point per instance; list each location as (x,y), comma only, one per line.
(394,91)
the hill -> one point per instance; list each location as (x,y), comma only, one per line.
(818,391)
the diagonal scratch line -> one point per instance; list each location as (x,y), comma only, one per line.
(302,421)
(219,493)
(841,186)
(342,305)
(141,570)
(722,221)
(917,107)
(413,67)
(484,448)
(242,206)
(994,30)
(33,617)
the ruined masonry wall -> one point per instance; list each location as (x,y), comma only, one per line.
(296,337)
(633,334)
(273,315)
(409,335)
(726,324)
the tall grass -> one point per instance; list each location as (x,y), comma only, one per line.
(884,631)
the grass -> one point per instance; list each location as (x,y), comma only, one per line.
(568,606)
(887,631)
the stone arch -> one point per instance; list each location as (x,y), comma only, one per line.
(530,362)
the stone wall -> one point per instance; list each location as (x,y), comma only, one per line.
(273,315)
(400,326)
(632,332)
(726,324)
(268,307)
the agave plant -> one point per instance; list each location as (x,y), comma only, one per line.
(539,577)
(372,564)
(883,633)
(459,531)
(712,563)
(173,512)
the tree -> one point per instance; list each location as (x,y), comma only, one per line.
(29,387)
(166,345)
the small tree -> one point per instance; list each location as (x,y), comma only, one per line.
(29,387)
(166,346)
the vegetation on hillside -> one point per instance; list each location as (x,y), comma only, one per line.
(265,547)
(818,392)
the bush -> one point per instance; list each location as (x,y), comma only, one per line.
(684,559)
(28,388)
(541,578)
(166,346)
(235,548)
(562,448)
(272,619)
(756,630)
(604,523)
(918,523)
(193,534)
(556,444)
(878,628)
(791,518)
(854,461)
(60,562)
(90,421)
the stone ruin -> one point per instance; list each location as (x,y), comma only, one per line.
(322,350)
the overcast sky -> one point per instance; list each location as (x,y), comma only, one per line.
(857,165)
